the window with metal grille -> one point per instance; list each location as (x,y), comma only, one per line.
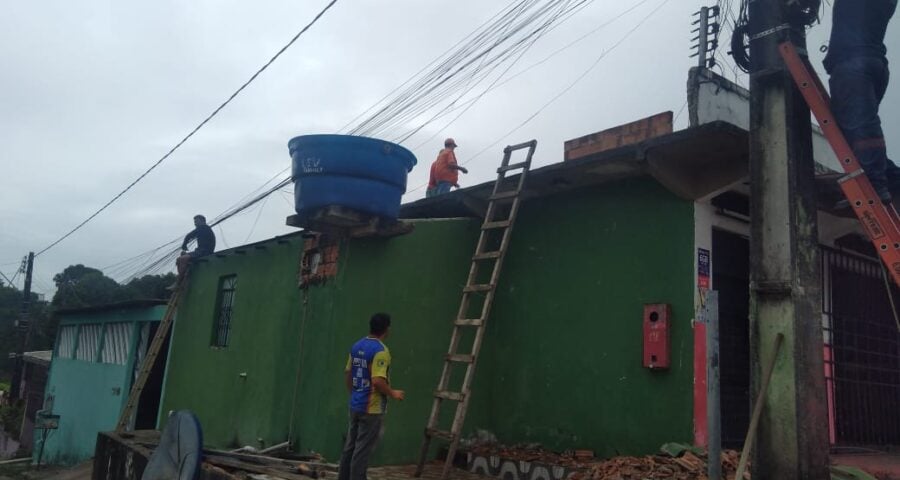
(862,351)
(224,311)
(66,346)
(116,341)
(88,342)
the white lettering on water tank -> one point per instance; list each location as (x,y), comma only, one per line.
(311,165)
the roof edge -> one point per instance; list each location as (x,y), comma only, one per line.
(139,303)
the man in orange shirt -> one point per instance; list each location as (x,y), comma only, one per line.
(444,171)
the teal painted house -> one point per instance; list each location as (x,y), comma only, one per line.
(94,362)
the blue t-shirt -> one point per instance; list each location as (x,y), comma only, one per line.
(858,30)
(368,358)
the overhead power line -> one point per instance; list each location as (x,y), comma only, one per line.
(566,89)
(499,41)
(8,281)
(195,130)
(468,103)
(459,72)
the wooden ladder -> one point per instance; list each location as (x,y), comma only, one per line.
(503,206)
(880,221)
(150,358)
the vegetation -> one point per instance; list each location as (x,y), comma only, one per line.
(77,286)
(11,418)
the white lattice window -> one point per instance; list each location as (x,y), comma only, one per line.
(88,342)
(66,346)
(116,341)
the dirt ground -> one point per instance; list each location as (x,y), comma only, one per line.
(83,472)
(28,472)
(890,467)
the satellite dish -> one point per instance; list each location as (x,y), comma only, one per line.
(180,450)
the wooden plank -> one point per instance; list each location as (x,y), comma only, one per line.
(267,460)
(455,396)
(221,472)
(236,464)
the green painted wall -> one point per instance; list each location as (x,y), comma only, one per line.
(565,340)
(413,277)
(236,410)
(88,396)
(417,279)
(562,359)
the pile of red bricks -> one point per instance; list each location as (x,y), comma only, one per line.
(687,466)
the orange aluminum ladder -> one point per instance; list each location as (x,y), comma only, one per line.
(880,221)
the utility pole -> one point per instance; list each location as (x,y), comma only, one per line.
(23,328)
(792,441)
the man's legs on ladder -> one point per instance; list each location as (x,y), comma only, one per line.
(182,263)
(857,88)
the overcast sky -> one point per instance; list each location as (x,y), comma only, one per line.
(92,93)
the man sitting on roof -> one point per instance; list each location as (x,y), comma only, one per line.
(444,171)
(206,244)
(858,66)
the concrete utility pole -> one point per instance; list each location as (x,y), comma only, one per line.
(23,327)
(792,441)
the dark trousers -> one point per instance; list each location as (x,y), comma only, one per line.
(857,87)
(362,436)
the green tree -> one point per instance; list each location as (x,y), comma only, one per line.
(10,308)
(43,328)
(150,286)
(79,286)
(76,286)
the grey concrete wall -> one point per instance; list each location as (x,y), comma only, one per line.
(712,98)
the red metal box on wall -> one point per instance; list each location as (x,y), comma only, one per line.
(657,319)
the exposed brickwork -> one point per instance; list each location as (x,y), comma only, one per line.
(628,134)
(319,260)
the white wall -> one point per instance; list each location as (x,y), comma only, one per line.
(713,98)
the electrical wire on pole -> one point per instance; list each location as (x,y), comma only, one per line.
(8,281)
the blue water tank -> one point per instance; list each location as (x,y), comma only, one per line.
(360,173)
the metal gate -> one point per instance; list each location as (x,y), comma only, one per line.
(862,351)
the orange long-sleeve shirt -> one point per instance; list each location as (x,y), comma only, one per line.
(442,169)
